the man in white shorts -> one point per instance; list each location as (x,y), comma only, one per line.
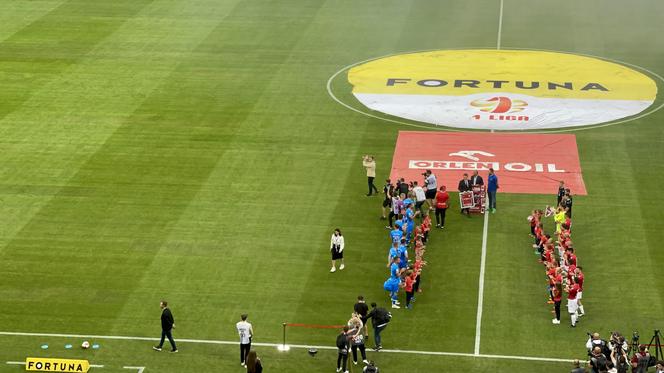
(572,304)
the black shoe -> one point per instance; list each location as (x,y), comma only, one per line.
(156,348)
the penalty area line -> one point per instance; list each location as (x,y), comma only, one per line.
(235,343)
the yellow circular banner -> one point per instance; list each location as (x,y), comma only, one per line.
(502,89)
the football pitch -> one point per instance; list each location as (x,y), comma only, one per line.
(203,151)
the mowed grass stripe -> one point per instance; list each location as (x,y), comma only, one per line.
(17,15)
(246,225)
(68,230)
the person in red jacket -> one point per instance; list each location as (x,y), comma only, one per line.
(442,198)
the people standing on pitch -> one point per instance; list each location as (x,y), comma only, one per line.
(356,336)
(167,325)
(420,196)
(380,318)
(395,209)
(254,364)
(391,285)
(442,198)
(388,190)
(369,164)
(465,186)
(476,179)
(491,190)
(342,350)
(568,202)
(557,296)
(572,305)
(578,273)
(337,249)
(246,332)
(362,310)
(561,192)
(431,185)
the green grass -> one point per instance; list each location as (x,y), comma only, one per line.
(188,150)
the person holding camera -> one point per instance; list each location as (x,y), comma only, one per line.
(619,360)
(597,360)
(641,360)
(594,340)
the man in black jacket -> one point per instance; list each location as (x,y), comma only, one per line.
(379,318)
(476,179)
(362,309)
(167,325)
(465,186)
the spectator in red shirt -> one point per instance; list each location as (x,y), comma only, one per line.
(442,198)
(640,360)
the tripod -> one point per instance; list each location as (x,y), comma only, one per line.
(657,344)
(634,345)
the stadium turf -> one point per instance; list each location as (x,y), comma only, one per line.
(189,150)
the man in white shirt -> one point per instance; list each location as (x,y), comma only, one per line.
(245,331)
(432,187)
(420,196)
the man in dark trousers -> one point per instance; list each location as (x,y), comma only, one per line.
(362,309)
(342,349)
(561,192)
(167,325)
(464,186)
(568,202)
(476,179)
(380,318)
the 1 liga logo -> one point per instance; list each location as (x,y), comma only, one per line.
(500,105)
(502,89)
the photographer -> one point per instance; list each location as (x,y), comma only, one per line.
(619,359)
(617,341)
(640,360)
(597,360)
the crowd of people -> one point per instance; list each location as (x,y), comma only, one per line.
(557,254)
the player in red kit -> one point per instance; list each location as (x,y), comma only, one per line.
(579,280)
(572,305)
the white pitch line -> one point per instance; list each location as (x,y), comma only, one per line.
(16,362)
(235,343)
(480,295)
(500,24)
(139,369)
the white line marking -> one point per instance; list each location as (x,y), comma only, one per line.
(16,362)
(500,24)
(96,366)
(234,343)
(139,369)
(451,129)
(480,295)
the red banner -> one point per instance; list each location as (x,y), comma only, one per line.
(524,163)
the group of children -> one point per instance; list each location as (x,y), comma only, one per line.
(557,253)
(405,270)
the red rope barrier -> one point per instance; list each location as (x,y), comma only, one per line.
(314,326)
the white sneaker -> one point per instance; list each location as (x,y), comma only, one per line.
(555,321)
(341,267)
(365,361)
(333,269)
(394,305)
(354,362)
(338,370)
